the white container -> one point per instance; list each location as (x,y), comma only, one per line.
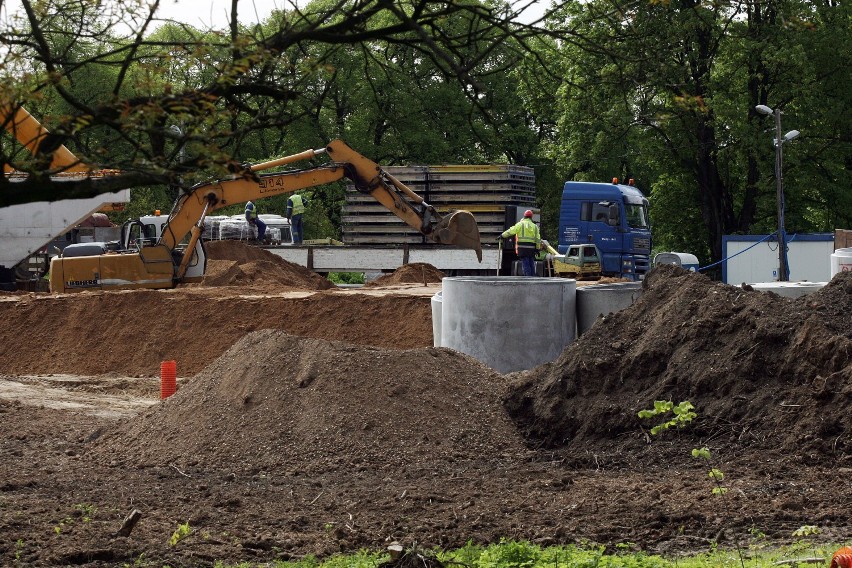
(841,261)
(685,260)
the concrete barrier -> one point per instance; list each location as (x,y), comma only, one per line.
(596,300)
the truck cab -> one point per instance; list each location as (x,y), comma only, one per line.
(612,216)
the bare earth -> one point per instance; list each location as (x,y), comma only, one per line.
(312,420)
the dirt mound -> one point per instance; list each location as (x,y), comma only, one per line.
(234,263)
(275,401)
(414,273)
(761,370)
(131,332)
(285,446)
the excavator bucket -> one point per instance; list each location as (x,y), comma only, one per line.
(459,228)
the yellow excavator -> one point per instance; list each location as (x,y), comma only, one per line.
(177,255)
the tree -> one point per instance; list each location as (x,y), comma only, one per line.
(664,92)
(230,93)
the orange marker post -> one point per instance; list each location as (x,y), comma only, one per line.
(168,379)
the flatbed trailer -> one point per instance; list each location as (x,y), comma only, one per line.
(387,258)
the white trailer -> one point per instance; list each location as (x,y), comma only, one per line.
(754,258)
(26,229)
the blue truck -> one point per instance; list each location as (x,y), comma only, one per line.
(614,217)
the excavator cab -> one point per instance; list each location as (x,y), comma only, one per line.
(135,235)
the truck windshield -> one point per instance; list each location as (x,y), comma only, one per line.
(637,215)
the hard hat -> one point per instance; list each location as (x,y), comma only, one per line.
(528,213)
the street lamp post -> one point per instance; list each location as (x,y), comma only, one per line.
(783,265)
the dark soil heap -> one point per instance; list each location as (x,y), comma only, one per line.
(275,401)
(414,273)
(234,263)
(291,446)
(760,369)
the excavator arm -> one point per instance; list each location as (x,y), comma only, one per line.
(165,264)
(458,228)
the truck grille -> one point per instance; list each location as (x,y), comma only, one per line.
(642,243)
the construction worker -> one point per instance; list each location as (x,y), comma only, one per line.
(254,220)
(527,241)
(295,209)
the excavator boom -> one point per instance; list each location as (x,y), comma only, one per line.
(31,134)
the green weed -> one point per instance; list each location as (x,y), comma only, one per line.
(683,414)
(182,531)
(86,512)
(511,554)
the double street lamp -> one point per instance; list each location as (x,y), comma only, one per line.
(783,265)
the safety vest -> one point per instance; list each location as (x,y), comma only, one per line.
(527,234)
(298,204)
(251,211)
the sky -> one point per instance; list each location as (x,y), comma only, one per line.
(216,13)
(252,11)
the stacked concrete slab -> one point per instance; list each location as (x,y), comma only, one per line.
(484,190)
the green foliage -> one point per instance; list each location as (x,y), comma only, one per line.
(86,512)
(806,530)
(144,201)
(67,522)
(659,91)
(82,512)
(715,474)
(512,554)
(360,559)
(683,414)
(346,277)
(140,561)
(664,92)
(181,532)
(702,453)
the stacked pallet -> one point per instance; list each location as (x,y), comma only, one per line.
(490,192)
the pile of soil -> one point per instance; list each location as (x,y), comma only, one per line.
(764,372)
(130,333)
(286,446)
(234,263)
(414,273)
(276,402)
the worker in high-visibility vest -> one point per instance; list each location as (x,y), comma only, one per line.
(527,241)
(254,220)
(296,206)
